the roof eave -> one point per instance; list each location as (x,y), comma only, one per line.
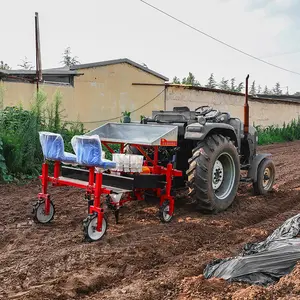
(118,61)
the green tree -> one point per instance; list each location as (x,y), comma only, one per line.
(4,66)
(253,89)
(26,65)
(232,85)
(277,90)
(266,91)
(176,80)
(212,84)
(68,60)
(190,80)
(223,85)
(297,94)
(259,89)
(240,87)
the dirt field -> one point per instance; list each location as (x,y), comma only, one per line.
(141,258)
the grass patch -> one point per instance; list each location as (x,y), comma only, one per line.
(276,134)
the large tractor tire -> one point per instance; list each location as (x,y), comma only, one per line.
(214,174)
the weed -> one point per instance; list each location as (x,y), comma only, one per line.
(275,134)
(20,150)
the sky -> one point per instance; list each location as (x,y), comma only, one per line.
(98,30)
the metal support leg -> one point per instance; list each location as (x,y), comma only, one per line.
(45,173)
(97,199)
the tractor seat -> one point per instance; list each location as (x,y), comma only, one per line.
(53,148)
(88,151)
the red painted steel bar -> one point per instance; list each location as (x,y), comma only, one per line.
(91,176)
(108,147)
(45,196)
(56,169)
(45,172)
(140,148)
(122,148)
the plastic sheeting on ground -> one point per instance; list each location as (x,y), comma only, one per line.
(265,262)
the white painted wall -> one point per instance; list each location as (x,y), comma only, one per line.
(262,112)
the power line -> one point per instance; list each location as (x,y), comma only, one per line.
(217,40)
(281,54)
(112,119)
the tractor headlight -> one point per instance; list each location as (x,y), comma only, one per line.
(201,120)
(194,127)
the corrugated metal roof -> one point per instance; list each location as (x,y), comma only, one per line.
(118,61)
(45,72)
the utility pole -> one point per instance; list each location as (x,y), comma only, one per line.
(38,52)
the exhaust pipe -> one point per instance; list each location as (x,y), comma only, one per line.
(246,109)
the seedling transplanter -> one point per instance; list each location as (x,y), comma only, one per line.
(127,178)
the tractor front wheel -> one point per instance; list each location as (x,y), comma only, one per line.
(265,177)
(214,174)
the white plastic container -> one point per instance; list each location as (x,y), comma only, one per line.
(118,159)
(126,162)
(136,163)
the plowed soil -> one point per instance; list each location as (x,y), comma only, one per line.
(140,258)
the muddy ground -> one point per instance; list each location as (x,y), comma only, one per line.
(141,258)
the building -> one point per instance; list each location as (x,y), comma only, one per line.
(99,92)
(92,93)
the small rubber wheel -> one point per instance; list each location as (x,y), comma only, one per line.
(265,177)
(89,228)
(164,212)
(39,215)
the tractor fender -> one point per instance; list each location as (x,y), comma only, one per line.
(252,172)
(199,132)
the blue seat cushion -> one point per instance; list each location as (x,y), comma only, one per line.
(88,151)
(106,164)
(69,157)
(53,147)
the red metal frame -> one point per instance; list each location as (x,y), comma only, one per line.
(94,186)
(91,188)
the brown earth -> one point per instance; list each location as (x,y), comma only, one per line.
(141,258)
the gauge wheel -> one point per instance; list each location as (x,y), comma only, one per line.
(39,215)
(265,177)
(164,212)
(89,228)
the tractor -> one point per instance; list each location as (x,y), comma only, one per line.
(212,152)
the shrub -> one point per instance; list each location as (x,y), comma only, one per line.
(20,151)
(275,134)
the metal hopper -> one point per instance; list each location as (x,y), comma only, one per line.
(135,133)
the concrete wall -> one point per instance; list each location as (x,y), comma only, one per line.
(16,93)
(103,93)
(100,94)
(262,112)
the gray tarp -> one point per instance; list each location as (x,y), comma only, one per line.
(264,262)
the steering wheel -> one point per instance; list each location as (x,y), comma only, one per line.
(203,110)
(212,114)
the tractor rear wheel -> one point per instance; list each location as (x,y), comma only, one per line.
(214,174)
